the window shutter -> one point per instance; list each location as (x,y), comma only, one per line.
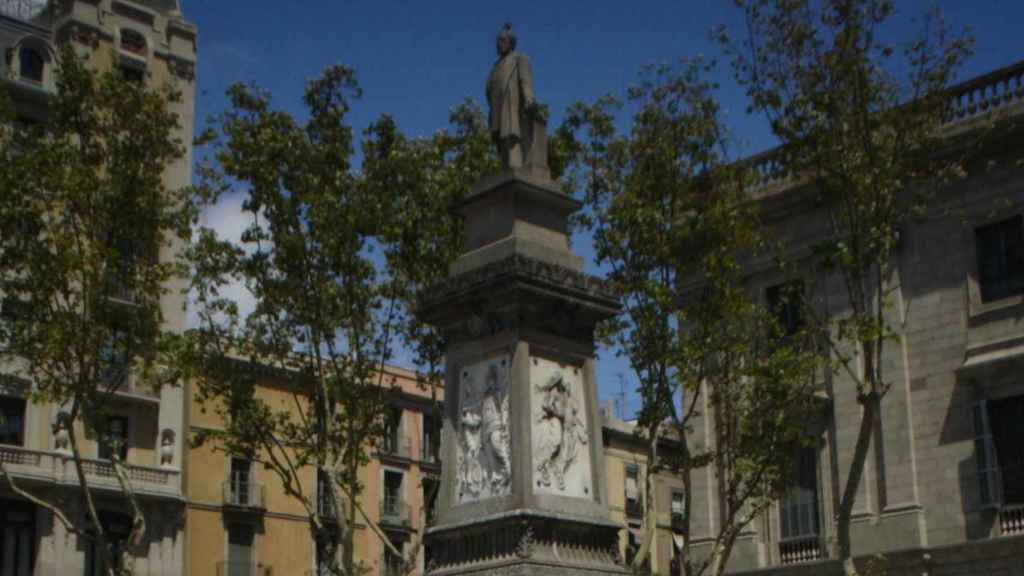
(990,494)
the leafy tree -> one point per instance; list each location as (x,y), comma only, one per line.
(671,220)
(88,235)
(334,256)
(859,120)
(423,237)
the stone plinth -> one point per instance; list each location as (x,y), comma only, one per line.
(523,488)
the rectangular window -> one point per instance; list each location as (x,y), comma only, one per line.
(115,439)
(118,528)
(12,421)
(678,508)
(324,502)
(798,515)
(240,485)
(430,492)
(115,358)
(431,443)
(17,537)
(392,505)
(393,564)
(392,431)
(784,303)
(240,540)
(1000,252)
(1007,421)
(985,457)
(633,509)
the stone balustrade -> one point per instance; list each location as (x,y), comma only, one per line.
(1011,520)
(797,550)
(997,91)
(59,468)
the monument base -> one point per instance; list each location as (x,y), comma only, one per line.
(525,542)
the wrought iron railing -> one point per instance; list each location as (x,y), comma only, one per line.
(238,494)
(394,511)
(430,452)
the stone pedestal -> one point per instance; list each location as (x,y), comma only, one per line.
(523,483)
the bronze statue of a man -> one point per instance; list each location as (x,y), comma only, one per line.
(516,126)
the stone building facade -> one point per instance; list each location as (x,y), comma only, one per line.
(943,492)
(152,42)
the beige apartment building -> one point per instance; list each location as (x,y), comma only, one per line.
(240,521)
(625,458)
(151,42)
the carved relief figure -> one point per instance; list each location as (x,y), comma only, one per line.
(483,463)
(516,120)
(560,431)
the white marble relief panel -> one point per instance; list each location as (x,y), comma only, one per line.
(561,456)
(483,459)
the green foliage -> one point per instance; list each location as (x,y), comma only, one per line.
(334,256)
(860,121)
(88,234)
(671,220)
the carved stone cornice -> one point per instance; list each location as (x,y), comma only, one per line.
(522,268)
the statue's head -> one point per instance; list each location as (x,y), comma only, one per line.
(506,40)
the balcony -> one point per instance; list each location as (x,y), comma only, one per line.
(1011,519)
(57,468)
(394,512)
(800,549)
(243,569)
(400,448)
(430,453)
(243,495)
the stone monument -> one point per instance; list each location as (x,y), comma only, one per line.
(522,488)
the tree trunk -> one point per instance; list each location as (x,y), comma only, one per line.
(869,402)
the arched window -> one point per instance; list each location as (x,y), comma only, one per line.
(31,64)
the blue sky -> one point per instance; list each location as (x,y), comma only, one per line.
(415,59)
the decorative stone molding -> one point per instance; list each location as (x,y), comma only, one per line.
(167,447)
(525,547)
(525,268)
